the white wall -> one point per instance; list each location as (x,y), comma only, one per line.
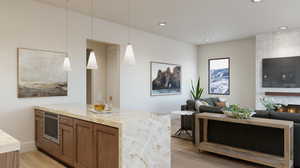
(242,69)
(272,45)
(113,74)
(31,24)
(135,81)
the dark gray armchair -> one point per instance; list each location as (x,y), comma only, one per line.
(190,120)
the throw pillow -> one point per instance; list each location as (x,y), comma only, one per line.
(212,101)
(221,104)
(199,103)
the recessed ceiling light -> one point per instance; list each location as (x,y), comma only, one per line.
(283,27)
(162,23)
(256,1)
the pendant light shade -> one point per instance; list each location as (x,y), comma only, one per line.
(67,64)
(129,55)
(92,62)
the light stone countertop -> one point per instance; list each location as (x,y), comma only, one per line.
(81,111)
(8,143)
(144,137)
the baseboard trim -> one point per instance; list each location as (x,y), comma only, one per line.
(28,146)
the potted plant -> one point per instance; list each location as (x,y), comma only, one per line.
(269,104)
(196,91)
(238,112)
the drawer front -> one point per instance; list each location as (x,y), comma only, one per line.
(66,120)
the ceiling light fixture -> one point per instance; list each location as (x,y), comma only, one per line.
(256,1)
(129,53)
(283,27)
(67,63)
(92,62)
(162,23)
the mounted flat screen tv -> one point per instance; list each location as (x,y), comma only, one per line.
(281,72)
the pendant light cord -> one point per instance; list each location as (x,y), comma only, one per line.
(67,27)
(129,24)
(92,19)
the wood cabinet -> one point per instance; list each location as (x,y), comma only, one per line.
(9,160)
(82,144)
(38,130)
(67,143)
(46,145)
(107,147)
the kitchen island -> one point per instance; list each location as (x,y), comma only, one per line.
(121,139)
(9,151)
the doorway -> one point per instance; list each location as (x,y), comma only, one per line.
(103,83)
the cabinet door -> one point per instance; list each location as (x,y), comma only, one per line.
(107,147)
(67,144)
(84,144)
(48,146)
(38,131)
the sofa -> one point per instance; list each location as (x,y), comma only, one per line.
(230,133)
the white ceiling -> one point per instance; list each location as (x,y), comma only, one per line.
(196,21)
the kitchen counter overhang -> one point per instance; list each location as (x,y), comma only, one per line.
(8,143)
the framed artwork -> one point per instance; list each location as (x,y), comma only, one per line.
(165,79)
(219,76)
(41,74)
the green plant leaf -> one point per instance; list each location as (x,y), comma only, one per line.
(193,89)
(193,95)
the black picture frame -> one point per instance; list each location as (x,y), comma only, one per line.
(151,79)
(209,76)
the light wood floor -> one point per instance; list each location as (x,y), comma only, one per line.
(183,155)
(37,159)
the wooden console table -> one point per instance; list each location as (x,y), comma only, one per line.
(202,143)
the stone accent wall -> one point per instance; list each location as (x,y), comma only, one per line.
(272,45)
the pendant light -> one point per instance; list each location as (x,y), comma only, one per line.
(129,53)
(67,63)
(92,62)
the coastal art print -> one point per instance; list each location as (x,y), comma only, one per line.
(165,79)
(219,76)
(41,74)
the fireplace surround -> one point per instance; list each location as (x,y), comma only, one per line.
(291,108)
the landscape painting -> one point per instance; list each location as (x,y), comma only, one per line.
(41,74)
(219,76)
(165,79)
